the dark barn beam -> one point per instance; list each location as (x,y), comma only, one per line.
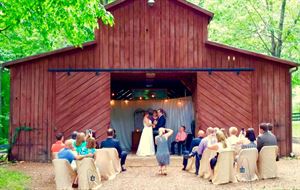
(209,70)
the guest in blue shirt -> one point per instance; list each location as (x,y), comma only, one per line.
(187,154)
(66,153)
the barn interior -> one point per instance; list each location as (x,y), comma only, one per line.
(134,93)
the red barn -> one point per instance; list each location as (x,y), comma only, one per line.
(71,88)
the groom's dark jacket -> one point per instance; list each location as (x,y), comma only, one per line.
(161,122)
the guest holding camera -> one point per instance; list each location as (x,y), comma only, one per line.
(162,154)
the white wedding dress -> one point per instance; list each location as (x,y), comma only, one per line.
(146,145)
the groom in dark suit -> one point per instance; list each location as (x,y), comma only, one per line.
(161,122)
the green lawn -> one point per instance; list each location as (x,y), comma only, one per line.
(296,128)
(13,179)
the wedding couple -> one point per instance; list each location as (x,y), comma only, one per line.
(151,127)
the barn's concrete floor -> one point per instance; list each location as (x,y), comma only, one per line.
(142,174)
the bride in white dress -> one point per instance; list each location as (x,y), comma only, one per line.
(146,145)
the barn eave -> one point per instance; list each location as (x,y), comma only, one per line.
(251,53)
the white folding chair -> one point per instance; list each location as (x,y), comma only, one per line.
(88,174)
(224,169)
(205,170)
(54,155)
(64,174)
(247,165)
(267,166)
(105,164)
(114,155)
(191,161)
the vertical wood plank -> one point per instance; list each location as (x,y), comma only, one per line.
(172,44)
(142,33)
(45,147)
(116,39)
(288,110)
(22,110)
(127,34)
(136,29)
(163,29)
(157,35)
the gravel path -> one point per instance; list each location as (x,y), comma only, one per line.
(142,174)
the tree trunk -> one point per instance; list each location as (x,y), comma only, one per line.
(280,29)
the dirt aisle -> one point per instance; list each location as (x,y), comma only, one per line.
(142,174)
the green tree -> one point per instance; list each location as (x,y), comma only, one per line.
(32,26)
(29,27)
(270,27)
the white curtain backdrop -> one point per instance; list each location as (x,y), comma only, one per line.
(123,118)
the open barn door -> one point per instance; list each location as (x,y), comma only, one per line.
(82,102)
(224,100)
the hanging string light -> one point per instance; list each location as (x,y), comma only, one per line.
(126,101)
(179,103)
(112,102)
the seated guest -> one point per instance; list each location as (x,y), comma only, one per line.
(80,143)
(232,139)
(110,142)
(250,135)
(90,148)
(73,136)
(92,133)
(270,127)
(180,140)
(265,138)
(216,129)
(210,139)
(195,143)
(219,146)
(115,133)
(225,132)
(59,144)
(67,153)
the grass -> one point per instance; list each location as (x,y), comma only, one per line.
(296,109)
(13,179)
(296,128)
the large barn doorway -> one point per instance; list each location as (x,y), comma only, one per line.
(134,93)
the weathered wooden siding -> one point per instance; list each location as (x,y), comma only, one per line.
(167,35)
(82,102)
(38,99)
(224,100)
(31,106)
(270,95)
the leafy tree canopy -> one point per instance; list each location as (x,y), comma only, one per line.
(32,26)
(271,27)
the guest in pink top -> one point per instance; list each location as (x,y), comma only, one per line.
(180,140)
